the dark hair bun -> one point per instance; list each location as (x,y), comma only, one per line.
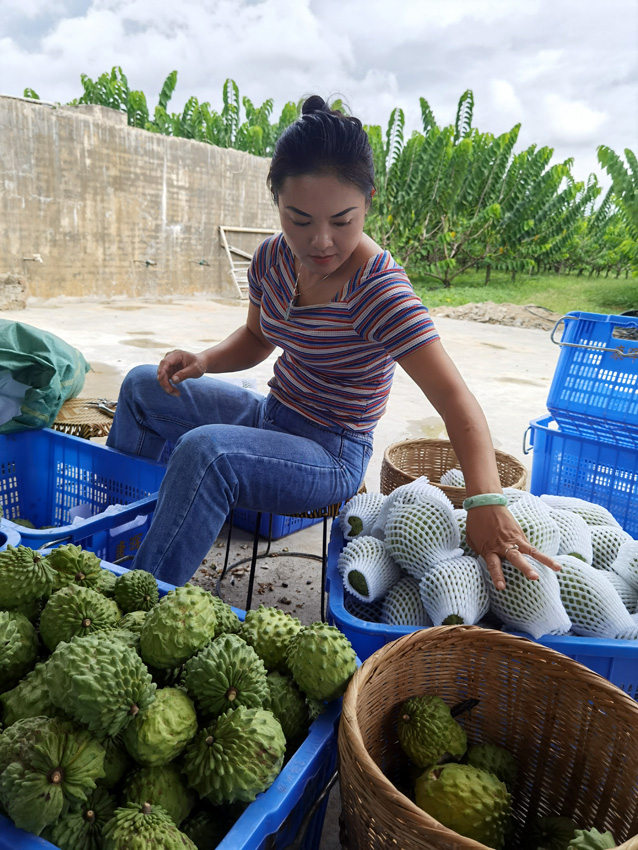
(314,104)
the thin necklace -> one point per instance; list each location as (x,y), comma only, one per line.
(295,292)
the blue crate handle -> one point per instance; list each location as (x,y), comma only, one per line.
(528,448)
(618,352)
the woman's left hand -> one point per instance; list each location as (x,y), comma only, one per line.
(493,533)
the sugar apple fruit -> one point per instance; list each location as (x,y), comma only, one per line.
(75,611)
(74,566)
(136,590)
(132,622)
(236,757)
(100,682)
(549,832)
(591,839)
(29,698)
(117,761)
(179,625)
(468,800)
(227,621)
(321,660)
(51,771)
(206,828)
(81,829)
(105,582)
(25,576)
(427,731)
(18,648)
(269,631)
(163,786)
(159,734)
(143,827)
(289,706)
(494,759)
(225,674)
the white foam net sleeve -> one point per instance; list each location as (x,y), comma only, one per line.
(402,605)
(537,524)
(409,493)
(592,514)
(367,568)
(455,588)
(524,605)
(606,541)
(461,518)
(626,591)
(626,563)
(592,603)
(453,478)
(575,534)
(514,494)
(420,535)
(358,514)
(368,611)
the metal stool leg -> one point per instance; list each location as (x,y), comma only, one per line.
(324,569)
(253,562)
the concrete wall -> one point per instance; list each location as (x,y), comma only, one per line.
(115,211)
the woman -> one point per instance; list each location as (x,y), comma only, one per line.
(343,313)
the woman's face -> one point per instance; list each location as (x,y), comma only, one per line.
(322,220)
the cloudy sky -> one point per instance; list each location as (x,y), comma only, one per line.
(567,70)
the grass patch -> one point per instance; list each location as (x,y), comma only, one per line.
(559,293)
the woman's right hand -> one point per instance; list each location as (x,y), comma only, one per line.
(176,366)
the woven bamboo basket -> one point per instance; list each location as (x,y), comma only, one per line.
(571,731)
(407,460)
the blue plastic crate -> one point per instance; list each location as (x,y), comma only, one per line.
(567,464)
(281,525)
(615,660)
(47,476)
(594,391)
(8,535)
(277,816)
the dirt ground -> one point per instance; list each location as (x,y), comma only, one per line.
(515,315)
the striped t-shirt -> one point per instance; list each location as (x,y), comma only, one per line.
(338,358)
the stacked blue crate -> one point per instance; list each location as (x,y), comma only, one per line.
(588,446)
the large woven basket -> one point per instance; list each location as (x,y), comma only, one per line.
(573,734)
(407,460)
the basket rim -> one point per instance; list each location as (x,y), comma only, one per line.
(350,727)
(435,443)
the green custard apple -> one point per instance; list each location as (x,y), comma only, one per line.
(427,731)
(177,627)
(157,735)
(321,660)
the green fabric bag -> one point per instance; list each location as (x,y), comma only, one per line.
(38,373)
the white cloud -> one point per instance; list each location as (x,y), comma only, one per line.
(505,100)
(573,120)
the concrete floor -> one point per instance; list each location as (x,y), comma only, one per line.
(508,369)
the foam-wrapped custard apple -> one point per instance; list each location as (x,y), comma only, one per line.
(140,826)
(74,566)
(25,575)
(81,828)
(467,800)
(427,731)
(163,786)
(236,757)
(321,660)
(225,674)
(269,631)
(159,734)
(74,611)
(177,627)
(100,682)
(136,590)
(51,771)
(18,648)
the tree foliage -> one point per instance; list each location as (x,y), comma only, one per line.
(449,198)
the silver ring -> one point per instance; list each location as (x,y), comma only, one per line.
(509,548)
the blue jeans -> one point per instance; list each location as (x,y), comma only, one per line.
(233,448)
